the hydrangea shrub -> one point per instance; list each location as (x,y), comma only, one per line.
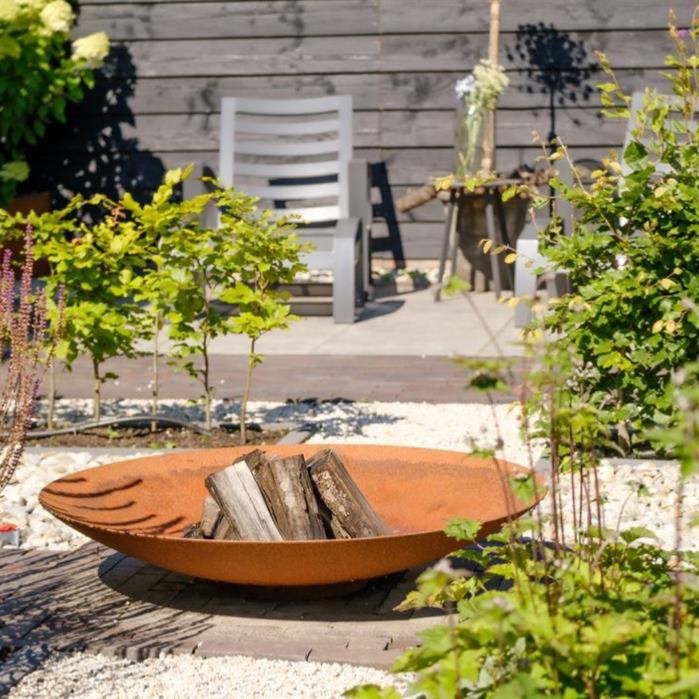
(41,72)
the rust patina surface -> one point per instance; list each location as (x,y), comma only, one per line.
(141,506)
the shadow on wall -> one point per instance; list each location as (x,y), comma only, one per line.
(557,66)
(89,153)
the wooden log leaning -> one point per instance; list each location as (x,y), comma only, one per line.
(416,197)
(237,494)
(213,523)
(192,531)
(288,491)
(210,517)
(351,515)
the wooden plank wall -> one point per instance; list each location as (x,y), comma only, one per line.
(399,59)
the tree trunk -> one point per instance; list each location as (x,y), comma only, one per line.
(207,387)
(97,400)
(155,388)
(246,392)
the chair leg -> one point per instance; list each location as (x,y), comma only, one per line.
(344,291)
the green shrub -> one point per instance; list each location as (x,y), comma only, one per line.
(554,608)
(633,259)
(192,266)
(267,254)
(40,73)
(99,269)
(563,605)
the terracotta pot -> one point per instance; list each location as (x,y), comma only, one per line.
(471,228)
(40,203)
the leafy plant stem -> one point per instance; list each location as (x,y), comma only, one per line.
(155,387)
(206,379)
(97,390)
(246,392)
(50,420)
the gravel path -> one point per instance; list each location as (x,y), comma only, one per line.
(182,677)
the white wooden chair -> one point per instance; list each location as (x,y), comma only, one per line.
(296,155)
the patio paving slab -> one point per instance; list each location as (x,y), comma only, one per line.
(97,600)
(411,324)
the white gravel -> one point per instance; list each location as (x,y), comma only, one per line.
(623,484)
(449,426)
(457,426)
(182,677)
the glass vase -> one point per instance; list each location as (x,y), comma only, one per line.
(468,140)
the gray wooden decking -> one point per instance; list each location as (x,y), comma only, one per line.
(97,600)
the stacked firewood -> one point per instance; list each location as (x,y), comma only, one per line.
(259,498)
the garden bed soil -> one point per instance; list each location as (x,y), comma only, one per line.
(162,438)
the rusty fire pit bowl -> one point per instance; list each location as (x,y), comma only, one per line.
(141,506)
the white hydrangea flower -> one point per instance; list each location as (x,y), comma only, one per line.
(57,16)
(490,82)
(8,10)
(92,49)
(481,89)
(465,87)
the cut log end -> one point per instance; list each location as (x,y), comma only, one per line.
(261,499)
(237,494)
(351,514)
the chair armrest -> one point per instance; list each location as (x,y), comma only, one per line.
(348,228)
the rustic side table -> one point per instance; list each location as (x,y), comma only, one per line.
(494,211)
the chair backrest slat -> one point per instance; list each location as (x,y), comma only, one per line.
(300,149)
(281,148)
(287,128)
(321,168)
(303,105)
(314,214)
(295,191)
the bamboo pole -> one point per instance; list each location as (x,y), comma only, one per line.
(488,162)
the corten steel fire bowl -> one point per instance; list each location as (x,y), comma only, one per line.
(141,506)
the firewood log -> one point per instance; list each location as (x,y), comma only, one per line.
(416,197)
(237,494)
(210,517)
(288,491)
(351,515)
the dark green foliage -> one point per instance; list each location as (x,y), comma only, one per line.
(40,74)
(633,261)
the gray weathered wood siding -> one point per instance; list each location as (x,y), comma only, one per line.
(399,60)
